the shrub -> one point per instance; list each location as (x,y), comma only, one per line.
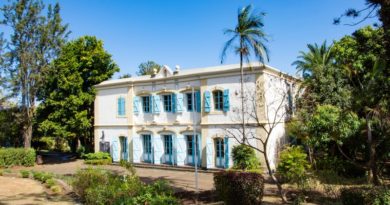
(234,187)
(244,158)
(293,165)
(97,186)
(50,182)
(98,158)
(17,157)
(25,173)
(365,196)
(80,151)
(42,176)
(56,189)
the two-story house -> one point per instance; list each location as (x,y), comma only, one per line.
(172,116)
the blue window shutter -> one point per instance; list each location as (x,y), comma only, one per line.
(115,151)
(156,103)
(135,104)
(173,102)
(206,101)
(119,107)
(179,102)
(197,97)
(209,153)
(227,155)
(226,104)
(123,106)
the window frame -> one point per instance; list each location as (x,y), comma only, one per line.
(146,107)
(167,102)
(190,102)
(218,100)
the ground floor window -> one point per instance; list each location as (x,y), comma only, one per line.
(219,152)
(147,145)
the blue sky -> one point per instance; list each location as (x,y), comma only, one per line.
(190,33)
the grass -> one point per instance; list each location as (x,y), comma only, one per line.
(25,173)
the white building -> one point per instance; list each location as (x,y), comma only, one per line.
(152,119)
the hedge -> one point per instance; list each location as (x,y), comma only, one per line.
(98,158)
(17,157)
(236,187)
(365,196)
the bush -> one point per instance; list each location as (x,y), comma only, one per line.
(234,187)
(244,158)
(17,157)
(80,151)
(97,186)
(25,173)
(50,182)
(365,196)
(42,176)
(98,158)
(293,165)
(56,189)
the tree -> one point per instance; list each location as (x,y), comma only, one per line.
(67,110)
(127,75)
(250,39)
(34,41)
(323,82)
(267,109)
(360,57)
(148,68)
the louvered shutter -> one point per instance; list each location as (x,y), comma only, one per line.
(227,154)
(206,101)
(226,103)
(135,104)
(173,105)
(209,153)
(197,97)
(179,102)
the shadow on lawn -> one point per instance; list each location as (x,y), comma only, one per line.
(56,157)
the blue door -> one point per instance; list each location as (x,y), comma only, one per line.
(147,145)
(168,150)
(193,150)
(219,153)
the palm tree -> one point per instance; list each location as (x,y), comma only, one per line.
(247,37)
(316,59)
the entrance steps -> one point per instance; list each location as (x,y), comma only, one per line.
(175,168)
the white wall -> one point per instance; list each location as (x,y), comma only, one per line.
(107,106)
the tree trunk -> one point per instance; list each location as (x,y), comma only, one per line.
(372,167)
(242,95)
(274,179)
(27,135)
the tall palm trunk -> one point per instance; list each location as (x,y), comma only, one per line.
(242,94)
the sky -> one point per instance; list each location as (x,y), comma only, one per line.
(190,33)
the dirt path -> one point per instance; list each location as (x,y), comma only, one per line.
(26,191)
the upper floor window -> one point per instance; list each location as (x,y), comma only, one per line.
(218,100)
(190,102)
(146,104)
(121,106)
(167,103)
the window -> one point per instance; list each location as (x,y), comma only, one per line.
(168,144)
(218,100)
(219,147)
(121,106)
(167,103)
(146,104)
(190,102)
(190,145)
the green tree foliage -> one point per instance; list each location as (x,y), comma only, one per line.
(147,68)
(244,158)
(323,82)
(35,39)
(67,99)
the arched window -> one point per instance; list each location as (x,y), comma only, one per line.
(218,100)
